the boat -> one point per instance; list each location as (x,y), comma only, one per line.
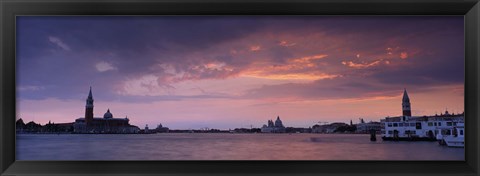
(452,137)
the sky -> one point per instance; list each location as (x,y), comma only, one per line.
(192,72)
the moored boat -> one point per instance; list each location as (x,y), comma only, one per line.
(453,136)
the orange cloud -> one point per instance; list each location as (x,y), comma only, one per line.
(292,65)
(400,51)
(308,59)
(296,68)
(403,55)
(360,65)
(289,76)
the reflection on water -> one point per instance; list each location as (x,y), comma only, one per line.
(196,146)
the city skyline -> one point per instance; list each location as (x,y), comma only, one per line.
(228,72)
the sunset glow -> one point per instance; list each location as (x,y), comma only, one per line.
(226,72)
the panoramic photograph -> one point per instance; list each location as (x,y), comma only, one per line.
(240,88)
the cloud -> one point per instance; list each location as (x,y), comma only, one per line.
(403,55)
(286,44)
(293,76)
(361,65)
(30,88)
(295,68)
(339,88)
(104,66)
(308,59)
(171,87)
(221,49)
(147,85)
(59,43)
(354,87)
(255,48)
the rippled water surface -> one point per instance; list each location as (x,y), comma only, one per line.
(201,146)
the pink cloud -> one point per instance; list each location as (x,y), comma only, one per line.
(286,44)
(403,55)
(255,48)
(361,65)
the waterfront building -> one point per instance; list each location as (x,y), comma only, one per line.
(408,127)
(328,128)
(273,127)
(105,124)
(161,129)
(363,127)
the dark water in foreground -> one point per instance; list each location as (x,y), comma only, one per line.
(196,146)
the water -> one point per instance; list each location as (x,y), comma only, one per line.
(202,146)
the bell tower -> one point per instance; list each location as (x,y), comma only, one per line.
(89,108)
(406,104)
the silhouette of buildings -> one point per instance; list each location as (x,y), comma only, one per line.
(328,128)
(272,127)
(107,124)
(32,127)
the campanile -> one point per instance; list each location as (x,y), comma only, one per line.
(406,104)
(89,108)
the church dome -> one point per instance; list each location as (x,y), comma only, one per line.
(108,115)
(278,122)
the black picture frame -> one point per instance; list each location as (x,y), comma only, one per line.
(470,9)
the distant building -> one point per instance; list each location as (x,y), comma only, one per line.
(107,124)
(161,129)
(366,127)
(272,127)
(330,128)
(298,130)
(32,127)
